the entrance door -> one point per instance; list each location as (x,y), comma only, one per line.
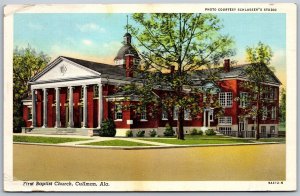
(241,128)
(67,117)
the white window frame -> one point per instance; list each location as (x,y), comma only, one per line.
(225,120)
(264,113)
(144,113)
(175,113)
(187,114)
(275,93)
(211,115)
(273,113)
(118,112)
(225,99)
(164,114)
(243,99)
(29,113)
(96,91)
(81,93)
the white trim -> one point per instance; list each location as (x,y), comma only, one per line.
(66,83)
(243,79)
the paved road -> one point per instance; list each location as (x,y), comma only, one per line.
(249,162)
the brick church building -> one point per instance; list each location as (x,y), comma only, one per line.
(73,96)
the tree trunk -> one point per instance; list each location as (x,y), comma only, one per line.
(258,114)
(180,133)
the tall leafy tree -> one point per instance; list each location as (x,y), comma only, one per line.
(187,42)
(282,106)
(257,73)
(26,63)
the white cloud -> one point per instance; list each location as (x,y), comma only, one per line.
(91,27)
(35,26)
(87,42)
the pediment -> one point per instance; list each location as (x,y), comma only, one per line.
(63,69)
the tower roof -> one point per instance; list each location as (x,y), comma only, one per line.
(126,49)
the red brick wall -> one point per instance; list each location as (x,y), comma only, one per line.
(51,109)
(76,112)
(63,98)
(90,105)
(231,86)
(39,109)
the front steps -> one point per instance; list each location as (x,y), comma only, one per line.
(63,131)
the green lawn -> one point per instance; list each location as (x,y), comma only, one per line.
(281,140)
(206,137)
(199,141)
(116,143)
(49,140)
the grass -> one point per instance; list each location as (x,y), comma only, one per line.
(116,143)
(48,140)
(205,137)
(280,140)
(199,141)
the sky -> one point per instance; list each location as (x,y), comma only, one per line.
(98,36)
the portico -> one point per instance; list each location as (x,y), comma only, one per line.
(67,109)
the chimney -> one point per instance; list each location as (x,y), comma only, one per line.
(129,65)
(227,65)
(172,69)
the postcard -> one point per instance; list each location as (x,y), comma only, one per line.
(150,97)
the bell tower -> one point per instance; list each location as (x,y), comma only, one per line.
(127,56)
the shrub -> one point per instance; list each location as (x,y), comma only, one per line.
(210,132)
(140,134)
(129,133)
(169,130)
(200,132)
(152,133)
(18,123)
(194,132)
(108,128)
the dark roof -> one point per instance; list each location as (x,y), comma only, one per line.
(99,67)
(126,49)
(235,72)
(127,34)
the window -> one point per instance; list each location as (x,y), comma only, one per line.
(264,113)
(96,91)
(187,114)
(118,112)
(271,96)
(275,93)
(144,113)
(273,113)
(82,93)
(164,115)
(224,128)
(29,117)
(211,115)
(225,99)
(225,120)
(243,99)
(175,113)
(272,129)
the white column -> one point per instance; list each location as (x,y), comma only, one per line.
(204,118)
(45,108)
(33,108)
(71,122)
(57,122)
(209,112)
(84,106)
(100,106)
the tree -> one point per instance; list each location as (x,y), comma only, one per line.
(282,106)
(179,44)
(26,63)
(257,73)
